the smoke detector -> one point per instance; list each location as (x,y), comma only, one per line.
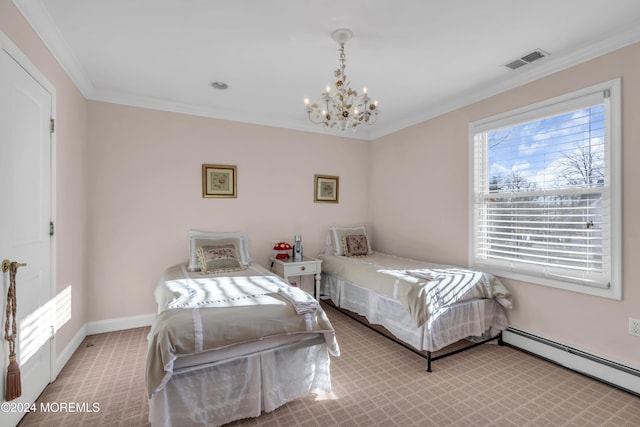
(526,59)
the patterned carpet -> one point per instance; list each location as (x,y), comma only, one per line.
(375,383)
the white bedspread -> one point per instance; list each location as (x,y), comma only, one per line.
(422,288)
(199,313)
(180,288)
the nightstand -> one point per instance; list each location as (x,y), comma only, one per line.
(308,266)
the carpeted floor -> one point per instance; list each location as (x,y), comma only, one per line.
(375,383)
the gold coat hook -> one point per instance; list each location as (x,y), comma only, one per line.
(6,264)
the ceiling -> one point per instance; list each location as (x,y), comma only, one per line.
(418,58)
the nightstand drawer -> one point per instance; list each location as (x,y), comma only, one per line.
(306,268)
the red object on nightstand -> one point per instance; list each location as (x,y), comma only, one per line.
(282,249)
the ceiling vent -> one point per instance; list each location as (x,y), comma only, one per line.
(526,59)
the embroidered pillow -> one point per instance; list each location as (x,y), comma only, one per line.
(210,238)
(335,235)
(355,245)
(218,259)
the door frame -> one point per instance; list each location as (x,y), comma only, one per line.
(14,52)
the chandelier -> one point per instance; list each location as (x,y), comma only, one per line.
(340,106)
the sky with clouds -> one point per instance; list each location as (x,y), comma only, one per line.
(540,151)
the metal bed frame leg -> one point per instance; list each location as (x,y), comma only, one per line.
(430,357)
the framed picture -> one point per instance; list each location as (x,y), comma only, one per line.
(219,181)
(326,189)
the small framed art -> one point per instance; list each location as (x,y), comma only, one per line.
(219,181)
(326,189)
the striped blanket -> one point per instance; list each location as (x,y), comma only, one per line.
(422,288)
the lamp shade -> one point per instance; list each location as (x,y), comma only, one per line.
(282,249)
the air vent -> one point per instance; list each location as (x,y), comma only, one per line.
(526,59)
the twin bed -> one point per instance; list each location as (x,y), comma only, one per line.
(427,306)
(232,340)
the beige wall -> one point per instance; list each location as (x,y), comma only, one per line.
(146,193)
(71,154)
(420,209)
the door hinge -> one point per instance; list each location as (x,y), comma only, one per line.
(53,125)
(53,332)
(51,228)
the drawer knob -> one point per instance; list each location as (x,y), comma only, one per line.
(302,268)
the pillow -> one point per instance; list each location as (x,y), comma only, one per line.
(355,245)
(209,238)
(218,259)
(334,238)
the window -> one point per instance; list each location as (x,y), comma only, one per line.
(545,192)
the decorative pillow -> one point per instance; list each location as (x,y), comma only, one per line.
(335,234)
(207,238)
(355,245)
(218,259)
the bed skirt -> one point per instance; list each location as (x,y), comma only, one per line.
(474,318)
(242,387)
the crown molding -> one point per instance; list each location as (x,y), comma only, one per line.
(42,24)
(37,16)
(542,68)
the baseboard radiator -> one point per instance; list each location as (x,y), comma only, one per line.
(612,373)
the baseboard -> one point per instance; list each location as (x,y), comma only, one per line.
(118,324)
(615,374)
(63,358)
(99,327)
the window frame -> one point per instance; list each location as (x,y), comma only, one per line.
(614,133)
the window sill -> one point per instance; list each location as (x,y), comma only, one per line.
(612,292)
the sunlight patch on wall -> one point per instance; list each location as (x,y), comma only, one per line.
(36,327)
(63,308)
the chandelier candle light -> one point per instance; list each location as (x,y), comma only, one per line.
(340,106)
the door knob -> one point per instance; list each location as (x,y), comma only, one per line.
(6,264)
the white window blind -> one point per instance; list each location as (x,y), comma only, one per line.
(542,191)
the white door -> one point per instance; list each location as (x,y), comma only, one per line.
(25,215)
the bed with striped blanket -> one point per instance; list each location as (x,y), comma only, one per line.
(232,345)
(427,306)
